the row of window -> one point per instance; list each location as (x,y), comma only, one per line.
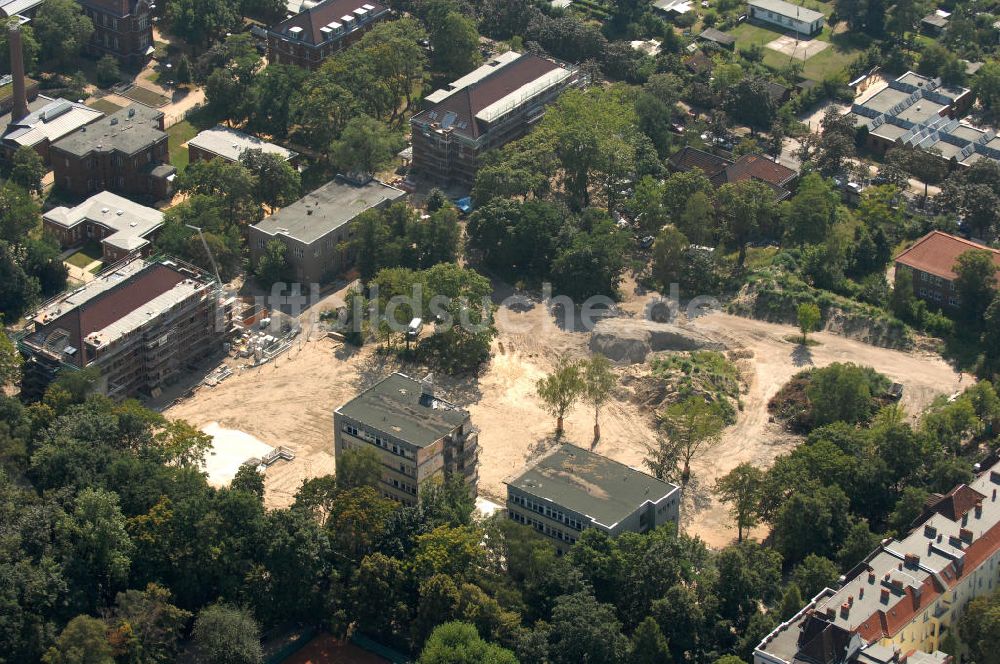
(403,486)
(377,439)
(542,528)
(546,511)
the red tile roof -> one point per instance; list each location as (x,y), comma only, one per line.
(757,167)
(936,253)
(955,504)
(313,20)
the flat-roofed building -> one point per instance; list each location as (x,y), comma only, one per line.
(48,121)
(127,153)
(931,262)
(485,109)
(420,437)
(317,228)
(905,597)
(229,144)
(786,16)
(139,323)
(570,489)
(320,30)
(123,227)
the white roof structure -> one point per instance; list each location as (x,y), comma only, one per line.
(231,144)
(789,10)
(505,103)
(472,77)
(130,222)
(57,118)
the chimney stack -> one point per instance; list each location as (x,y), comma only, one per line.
(20,108)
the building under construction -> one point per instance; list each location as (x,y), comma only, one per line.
(140,323)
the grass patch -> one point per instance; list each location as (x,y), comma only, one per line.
(747,34)
(97,268)
(827,62)
(177,135)
(146,96)
(104,106)
(797,339)
(706,374)
(87,254)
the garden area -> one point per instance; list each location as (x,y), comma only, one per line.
(87,254)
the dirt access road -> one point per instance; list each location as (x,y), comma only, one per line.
(291,403)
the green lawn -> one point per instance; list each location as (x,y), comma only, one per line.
(104,106)
(747,34)
(177,134)
(87,254)
(146,96)
(842,50)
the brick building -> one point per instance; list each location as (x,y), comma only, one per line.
(420,437)
(221,142)
(47,121)
(485,109)
(140,324)
(317,228)
(314,34)
(122,28)
(125,153)
(570,489)
(120,225)
(931,262)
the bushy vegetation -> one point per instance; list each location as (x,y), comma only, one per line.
(835,393)
(706,374)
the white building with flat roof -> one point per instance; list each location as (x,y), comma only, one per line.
(786,16)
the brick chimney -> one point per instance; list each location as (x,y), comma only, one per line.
(20,108)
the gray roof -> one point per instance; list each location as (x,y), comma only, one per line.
(788,9)
(231,144)
(397,406)
(326,209)
(129,130)
(51,120)
(604,490)
(129,221)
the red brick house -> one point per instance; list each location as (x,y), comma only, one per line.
(311,36)
(931,261)
(121,28)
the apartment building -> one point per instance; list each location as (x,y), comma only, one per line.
(317,228)
(309,37)
(126,153)
(221,142)
(122,28)
(484,110)
(420,437)
(904,598)
(931,262)
(121,226)
(140,323)
(570,489)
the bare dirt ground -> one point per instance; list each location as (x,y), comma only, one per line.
(291,402)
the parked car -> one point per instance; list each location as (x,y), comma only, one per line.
(646,242)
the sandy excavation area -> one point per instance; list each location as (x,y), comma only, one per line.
(291,402)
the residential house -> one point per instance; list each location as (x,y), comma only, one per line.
(484,110)
(721,170)
(126,153)
(786,17)
(931,263)
(718,37)
(570,489)
(317,228)
(421,438)
(309,37)
(121,226)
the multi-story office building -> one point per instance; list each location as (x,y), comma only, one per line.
(485,109)
(569,489)
(122,28)
(308,38)
(139,323)
(931,262)
(126,152)
(420,437)
(905,597)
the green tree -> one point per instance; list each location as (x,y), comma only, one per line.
(741,488)
(584,630)
(145,626)
(860,541)
(101,545)
(273,267)
(746,210)
(276,183)
(320,109)
(27,169)
(593,261)
(669,249)
(809,317)
(83,641)
(691,428)
(821,511)
(202,21)
(978,627)
(359,467)
(986,85)
(460,643)
(10,361)
(19,213)
(226,634)
(248,480)
(976,283)
(560,389)
(107,71)
(843,392)
(791,601)
(62,30)
(273,91)
(29,45)
(648,644)
(599,382)
(988,365)
(183,71)
(455,44)
(813,574)
(748,574)
(811,212)
(364,147)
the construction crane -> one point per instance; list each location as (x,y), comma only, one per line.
(208,251)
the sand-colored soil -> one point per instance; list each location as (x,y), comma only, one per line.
(291,403)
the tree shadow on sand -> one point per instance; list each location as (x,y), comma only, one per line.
(802,356)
